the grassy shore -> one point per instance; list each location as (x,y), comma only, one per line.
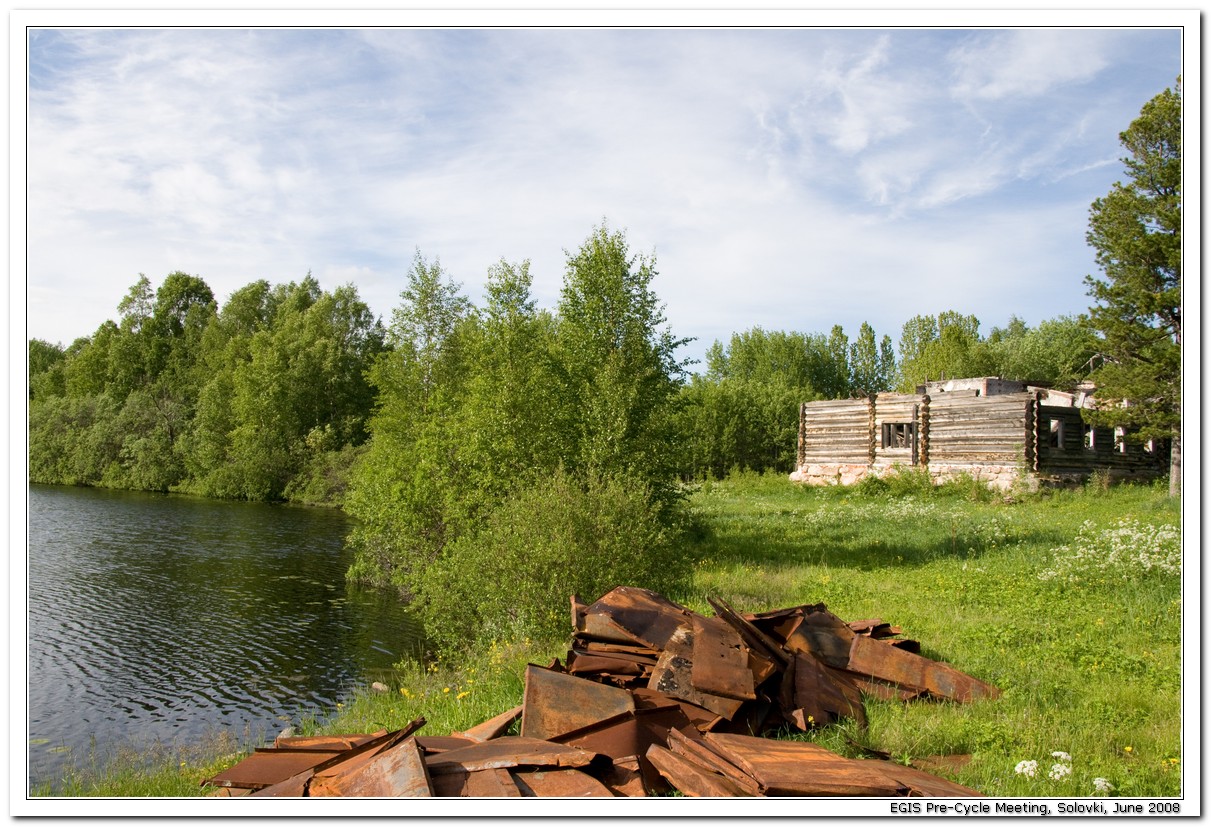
(1068,601)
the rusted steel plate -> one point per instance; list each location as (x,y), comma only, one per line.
(588,644)
(630,734)
(645,616)
(293,787)
(720,660)
(884,691)
(896,666)
(695,750)
(397,772)
(433,744)
(691,778)
(624,779)
(452,784)
(555,703)
(922,784)
(824,635)
(505,752)
(673,676)
(824,695)
(559,784)
(295,784)
(753,637)
(265,768)
(800,768)
(493,727)
(332,743)
(581,663)
(702,719)
(578,607)
(494,783)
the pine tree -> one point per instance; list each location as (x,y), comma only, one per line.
(1136,231)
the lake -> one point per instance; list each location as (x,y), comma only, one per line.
(158,619)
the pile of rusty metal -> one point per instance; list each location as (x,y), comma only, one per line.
(652,698)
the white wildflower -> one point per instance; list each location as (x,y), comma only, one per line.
(1059,772)
(1027,768)
(1102,785)
(1062,756)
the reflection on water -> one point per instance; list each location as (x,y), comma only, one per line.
(166,619)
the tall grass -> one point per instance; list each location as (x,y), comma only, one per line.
(1054,597)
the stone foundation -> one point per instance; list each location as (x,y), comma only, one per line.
(999,477)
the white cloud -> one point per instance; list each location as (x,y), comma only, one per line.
(792,179)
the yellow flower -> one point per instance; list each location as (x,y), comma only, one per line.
(446,690)
(462,695)
(403,690)
(1126,749)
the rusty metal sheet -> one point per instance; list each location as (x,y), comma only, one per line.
(578,608)
(896,666)
(555,703)
(493,783)
(673,676)
(264,768)
(946,763)
(630,734)
(701,718)
(433,744)
(295,784)
(700,753)
(505,752)
(567,783)
(823,694)
(800,768)
(720,660)
(624,779)
(641,615)
(397,772)
(922,784)
(691,778)
(884,691)
(588,644)
(824,635)
(333,743)
(584,663)
(493,727)
(756,639)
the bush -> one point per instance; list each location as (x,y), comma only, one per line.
(511,578)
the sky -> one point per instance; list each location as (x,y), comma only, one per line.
(786,178)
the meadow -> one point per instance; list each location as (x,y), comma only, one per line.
(1070,601)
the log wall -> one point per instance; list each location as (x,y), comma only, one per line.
(1000,439)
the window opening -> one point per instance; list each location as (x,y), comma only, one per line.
(898,434)
(1055,433)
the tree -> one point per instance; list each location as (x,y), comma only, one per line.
(619,365)
(872,366)
(1136,232)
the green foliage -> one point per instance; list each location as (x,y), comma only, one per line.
(177,395)
(946,346)
(559,535)
(1056,353)
(1135,231)
(479,410)
(744,412)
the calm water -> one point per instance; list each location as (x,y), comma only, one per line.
(168,619)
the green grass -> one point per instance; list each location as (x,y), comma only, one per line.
(1089,662)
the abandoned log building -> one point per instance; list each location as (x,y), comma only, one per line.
(995,430)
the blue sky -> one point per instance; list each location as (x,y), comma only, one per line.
(788,178)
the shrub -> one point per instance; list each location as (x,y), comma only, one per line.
(511,578)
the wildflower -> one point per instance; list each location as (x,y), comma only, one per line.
(403,690)
(461,695)
(1059,772)
(1102,785)
(1127,749)
(1062,756)
(445,690)
(1027,768)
